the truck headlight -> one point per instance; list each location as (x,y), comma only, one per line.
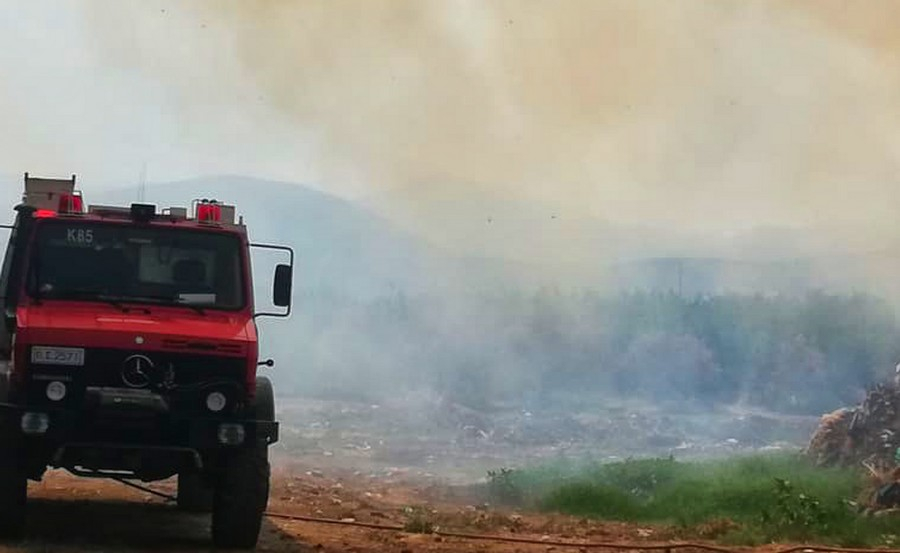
(231,434)
(216,401)
(35,423)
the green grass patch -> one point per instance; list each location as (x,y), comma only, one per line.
(769,497)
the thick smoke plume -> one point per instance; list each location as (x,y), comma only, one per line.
(561,134)
(704,116)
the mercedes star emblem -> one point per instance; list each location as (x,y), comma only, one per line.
(136,371)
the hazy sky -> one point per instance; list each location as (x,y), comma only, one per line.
(705,115)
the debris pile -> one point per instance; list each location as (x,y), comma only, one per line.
(869,432)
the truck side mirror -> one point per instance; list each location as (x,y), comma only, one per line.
(281,287)
(282,283)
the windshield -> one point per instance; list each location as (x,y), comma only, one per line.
(118,263)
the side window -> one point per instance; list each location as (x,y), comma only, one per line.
(7,267)
(5,329)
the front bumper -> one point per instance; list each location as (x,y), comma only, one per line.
(68,430)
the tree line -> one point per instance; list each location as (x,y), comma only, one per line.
(804,354)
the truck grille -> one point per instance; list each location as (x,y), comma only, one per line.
(104,367)
(172,375)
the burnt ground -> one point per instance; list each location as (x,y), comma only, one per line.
(373,463)
(449,443)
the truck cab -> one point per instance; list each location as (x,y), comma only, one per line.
(129,350)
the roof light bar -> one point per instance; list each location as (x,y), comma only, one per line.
(71,203)
(143,213)
(208,211)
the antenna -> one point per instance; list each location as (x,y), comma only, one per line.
(142,183)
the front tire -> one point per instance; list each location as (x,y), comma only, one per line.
(240,498)
(13,488)
(264,402)
(242,491)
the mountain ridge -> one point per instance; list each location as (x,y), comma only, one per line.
(351,248)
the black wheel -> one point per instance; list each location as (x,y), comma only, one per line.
(264,403)
(195,494)
(240,498)
(13,488)
(242,490)
(4,387)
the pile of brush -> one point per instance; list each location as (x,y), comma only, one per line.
(830,444)
(870,431)
(882,492)
(867,435)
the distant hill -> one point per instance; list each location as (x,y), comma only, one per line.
(340,247)
(502,224)
(873,273)
(357,250)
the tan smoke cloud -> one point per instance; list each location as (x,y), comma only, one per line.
(689,114)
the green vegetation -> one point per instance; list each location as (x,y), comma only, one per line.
(764,498)
(418,521)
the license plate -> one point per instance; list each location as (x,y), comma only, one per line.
(57,356)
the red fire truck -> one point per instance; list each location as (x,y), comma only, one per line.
(128,350)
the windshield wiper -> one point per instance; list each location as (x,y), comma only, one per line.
(116,301)
(89,295)
(120,302)
(196,308)
(165,300)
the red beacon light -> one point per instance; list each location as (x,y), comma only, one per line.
(71,204)
(209,211)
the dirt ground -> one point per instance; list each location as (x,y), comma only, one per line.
(379,464)
(76,514)
(449,443)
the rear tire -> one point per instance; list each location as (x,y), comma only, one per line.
(13,489)
(240,500)
(195,494)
